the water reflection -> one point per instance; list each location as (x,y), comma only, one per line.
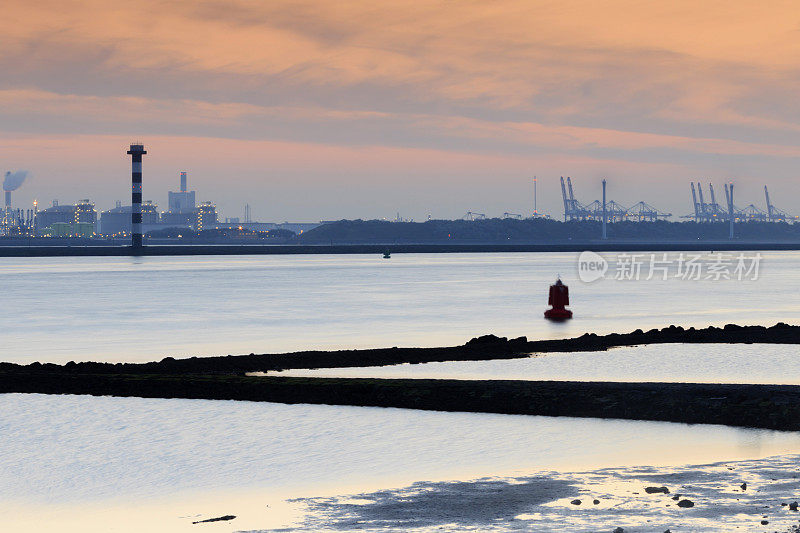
(241,304)
(98,448)
(688,363)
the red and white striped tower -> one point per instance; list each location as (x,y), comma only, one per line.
(136,152)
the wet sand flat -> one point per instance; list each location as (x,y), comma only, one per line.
(755,495)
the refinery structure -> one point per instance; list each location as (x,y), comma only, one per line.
(185,213)
(14,219)
(123,221)
(140,217)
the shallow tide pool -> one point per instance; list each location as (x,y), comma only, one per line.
(687,363)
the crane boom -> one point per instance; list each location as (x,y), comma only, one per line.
(569,186)
(769,205)
(730,210)
(702,201)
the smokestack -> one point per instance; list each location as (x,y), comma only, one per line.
(183,182)
(730,211)
(605,235)
(6,221)
(136,152)
(13,180)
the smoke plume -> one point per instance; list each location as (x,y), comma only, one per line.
(14,179)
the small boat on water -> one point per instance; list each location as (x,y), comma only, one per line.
(387,254)
(559,299)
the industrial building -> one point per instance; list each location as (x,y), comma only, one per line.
(85,213)
(136,219)
(182,213)
(64,229)
(117,221)
(65,214)
(206,217)
(75,219)
(182,201)
(175,219)
(182,206)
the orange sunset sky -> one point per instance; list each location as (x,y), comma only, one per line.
(314,110)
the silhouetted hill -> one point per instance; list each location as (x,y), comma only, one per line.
(498,230)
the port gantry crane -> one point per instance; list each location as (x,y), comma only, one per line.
(615,212)
(713,212)
(473,216)
(708,212)
(770,208)
(643,211)
(695,204)
(732,209)
(773,213)
(749,213)
(564,195)
(703,208)
(573,209)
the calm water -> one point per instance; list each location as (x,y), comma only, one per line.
(59,452)
(115,309)
(61,449)
(693,363)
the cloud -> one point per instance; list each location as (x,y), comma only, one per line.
(661,87)
(248,121)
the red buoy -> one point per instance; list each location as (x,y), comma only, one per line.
(559,298)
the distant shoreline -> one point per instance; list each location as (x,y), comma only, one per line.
(298,249)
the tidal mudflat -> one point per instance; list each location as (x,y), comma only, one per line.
(754,495)
(82,463)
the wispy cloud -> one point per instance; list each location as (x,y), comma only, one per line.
(674,85)
(247,121)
